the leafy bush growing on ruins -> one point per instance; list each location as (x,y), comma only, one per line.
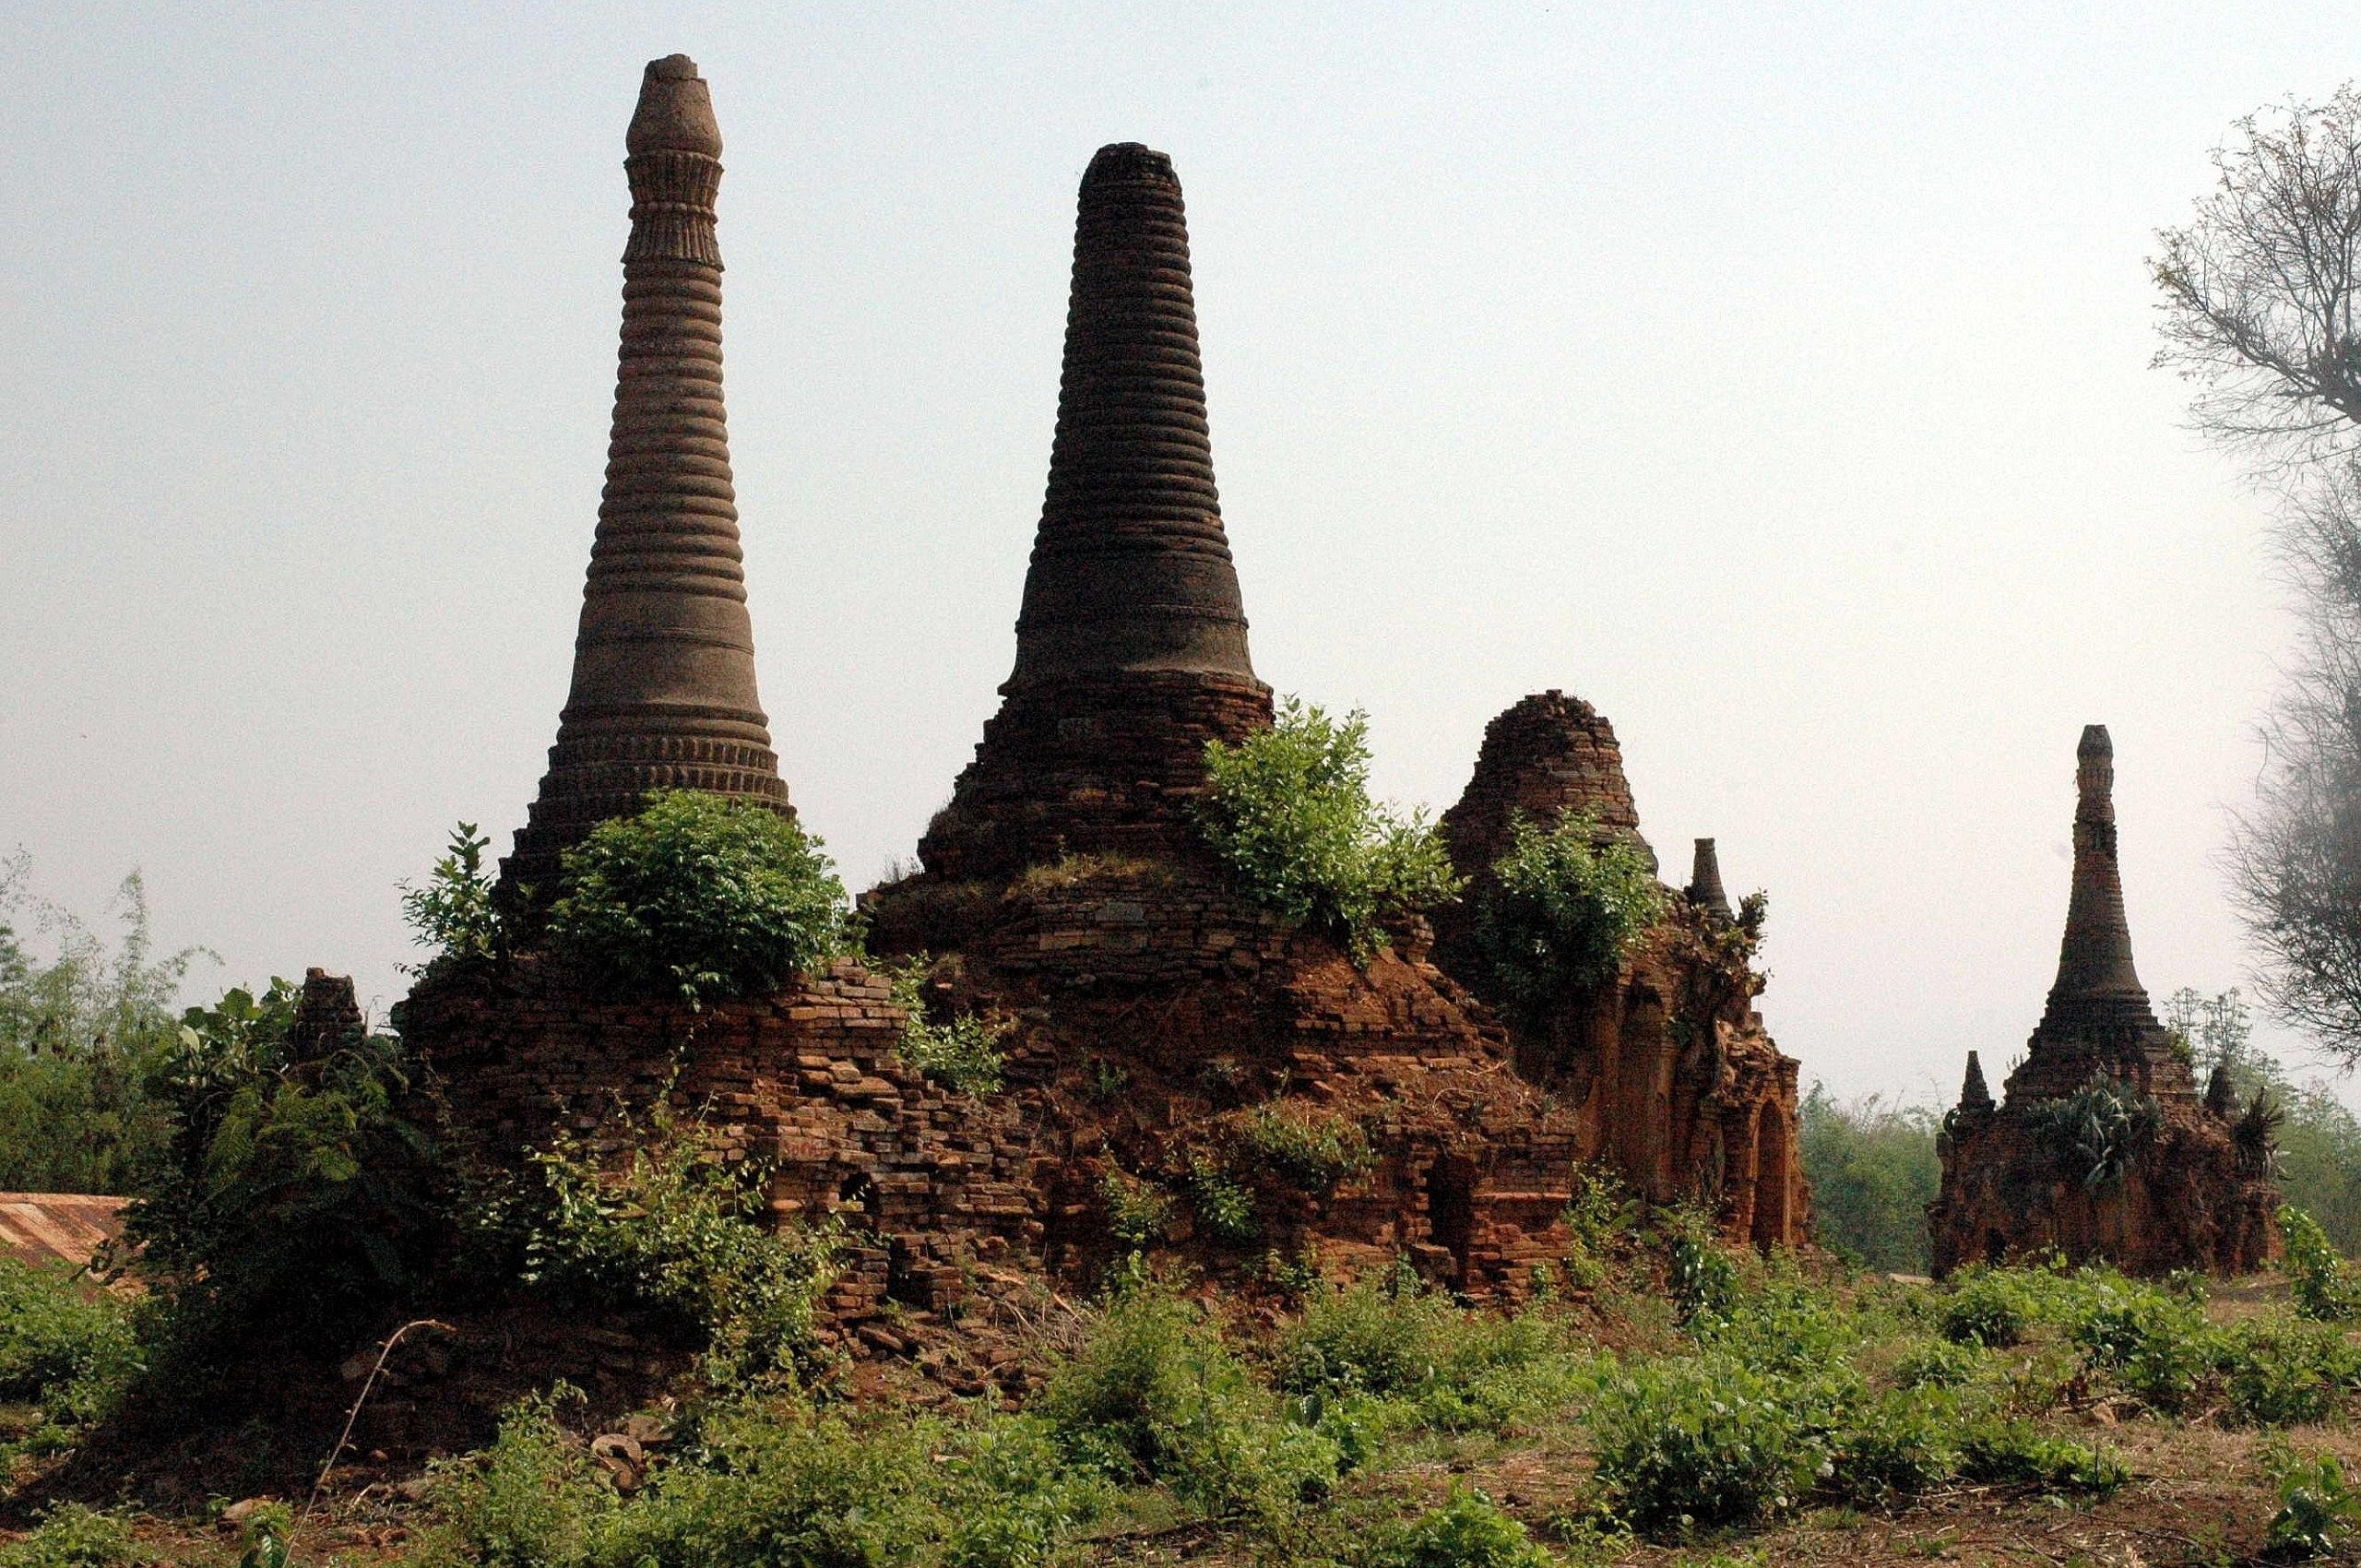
(296,1183)
(1565,909)
(1139,1212)
(453,913)
(1314,1149)
(2092,1134)
(1158,1395)
(964,1054)
(1288,811)
(700,895)
(1223,1205)
(674,1229)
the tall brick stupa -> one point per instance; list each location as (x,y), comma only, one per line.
(1131,643)
(663,693)
(2101,1147)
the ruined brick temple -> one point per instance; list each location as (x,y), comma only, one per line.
(1151,1016)
(2102,1147)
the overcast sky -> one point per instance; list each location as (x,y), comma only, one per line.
(1773,375)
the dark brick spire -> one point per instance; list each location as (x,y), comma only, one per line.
(1704,888)
(2098,1019)
(663,691)
(1973,1094)
(1130,568)
(1131,646)
(2096,984)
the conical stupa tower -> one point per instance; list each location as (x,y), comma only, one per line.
(1131,646)
(663,693)
(1704,888)
(2097,1017)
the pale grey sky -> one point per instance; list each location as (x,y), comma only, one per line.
(1773,375)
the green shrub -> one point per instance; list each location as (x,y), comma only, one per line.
(1373,1337)
(1437,1365)
(1987,1307)
(1564,909)
(2017,1453)
(786,1485)
(1012,1498)
(79,1037)
(1467,1531)
(1154,1394)
(700,893)
(964,1054)
(2319,1511)
(2157,1348)
(1139,1212)
(1703,1278)
(1223,1205)
(71,1536)
(453,913)
(1598,1220)
(534,1499)
(1311,1149)
(1936,1363)
(62,1348)
(1698,1443)
(676,1230)
(2323,1283)
(1896,1445)
(2286,1373)
(298,1183)
(1288,812)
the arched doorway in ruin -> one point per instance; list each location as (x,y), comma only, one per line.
(1451,1209)
(1772,1178)
(1642,1104)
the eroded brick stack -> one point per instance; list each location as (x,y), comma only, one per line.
(807,1084)
(1675,1083)
(2175,1190)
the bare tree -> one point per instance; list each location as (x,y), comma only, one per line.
(2259,301)
(2294,859)
(2259,290)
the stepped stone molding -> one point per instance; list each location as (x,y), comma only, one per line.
(663,693)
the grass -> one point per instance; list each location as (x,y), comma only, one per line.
(1380,1424)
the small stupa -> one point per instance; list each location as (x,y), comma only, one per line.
(663,691)
(1704,890)
(2100,1148)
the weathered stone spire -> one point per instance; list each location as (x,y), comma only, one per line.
(2096,985)
(1131,646)
(663,693)
(1130,568)
(1704,888)
(2098,1019)
(1973,1094)
(2221,1093)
